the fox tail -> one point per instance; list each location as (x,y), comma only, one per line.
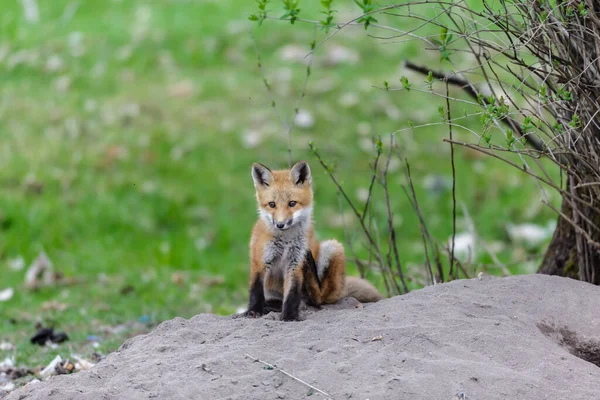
(361,289)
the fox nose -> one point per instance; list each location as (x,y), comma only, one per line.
(280,225)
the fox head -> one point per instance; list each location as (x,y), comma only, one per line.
(284,197)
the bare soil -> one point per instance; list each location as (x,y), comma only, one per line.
(521,337)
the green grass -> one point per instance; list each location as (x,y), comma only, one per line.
(137,141)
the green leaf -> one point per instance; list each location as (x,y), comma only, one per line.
(378,146)
(444,54)
(487,138)
(443,34)
(405,83)
(575,122)
(583,12)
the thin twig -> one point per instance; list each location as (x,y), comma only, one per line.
(471,227)
(366,231)
(371,184)
(574,225)
(422,226)
(469,89)
(359,263)
(288,127)
(302,95)
(393,245)
(266,83)
(553,98)
(288,374)
(453,185)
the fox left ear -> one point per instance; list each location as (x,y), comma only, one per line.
(261,175)
(300,173)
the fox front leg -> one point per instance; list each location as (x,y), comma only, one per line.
(292,294)
(256,294)
(311,282)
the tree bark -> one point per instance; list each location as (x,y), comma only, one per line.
(561,256)
(571,254)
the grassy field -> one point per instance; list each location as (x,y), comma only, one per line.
(127,131)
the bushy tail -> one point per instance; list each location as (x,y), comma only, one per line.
(361,290)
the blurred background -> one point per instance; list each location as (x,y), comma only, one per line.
(127,132)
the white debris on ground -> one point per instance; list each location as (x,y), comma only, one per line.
(366,144)
(332,56)
(54,63)
(464,246)
(323,85)
(294,53)
(42,268)
(362,194)
(6,294)
(240,309)
(60,366)
(252,138)
(7,387)
(304,119)
(349,100)
(437,184)
(17,263)
(51,368)
(81,364)
(341,55)
(183,89)
(31,11)
(530,235)
(364,128)
(341,220)
(6,346)
(7,363)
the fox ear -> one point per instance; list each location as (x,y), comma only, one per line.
(300,173)
(261,175)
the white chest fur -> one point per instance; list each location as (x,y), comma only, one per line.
(285,251)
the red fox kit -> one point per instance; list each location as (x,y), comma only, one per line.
(287,262)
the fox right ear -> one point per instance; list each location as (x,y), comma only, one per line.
(261,175)
(300,173)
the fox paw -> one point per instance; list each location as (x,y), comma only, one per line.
(252,314)
(291,317)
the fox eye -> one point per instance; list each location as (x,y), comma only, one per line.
(292,203)
(272,204)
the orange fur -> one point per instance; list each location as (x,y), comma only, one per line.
(282,241)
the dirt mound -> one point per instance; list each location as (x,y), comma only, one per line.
(522,337)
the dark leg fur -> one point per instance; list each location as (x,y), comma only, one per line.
(291,303)
(256,298)
(310,266)
(311,288)
(274,305)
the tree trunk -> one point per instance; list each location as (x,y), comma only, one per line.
(561,256)
(571,254)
